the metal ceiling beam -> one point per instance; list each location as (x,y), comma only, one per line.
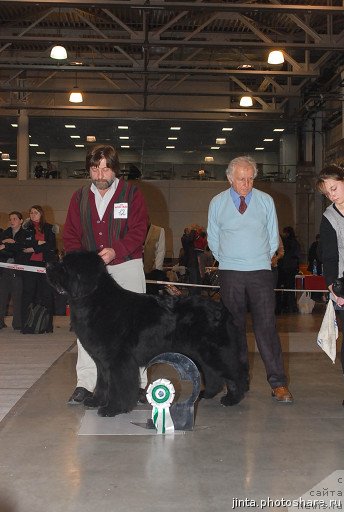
(162,69)
(189,6)
(100,108)
(48,40)
(37,89)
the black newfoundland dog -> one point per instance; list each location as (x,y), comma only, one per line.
(123,330)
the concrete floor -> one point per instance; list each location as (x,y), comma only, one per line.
(257,450)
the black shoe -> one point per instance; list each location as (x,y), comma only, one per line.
(142,396)
(79,396)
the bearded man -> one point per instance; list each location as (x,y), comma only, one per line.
(109,217)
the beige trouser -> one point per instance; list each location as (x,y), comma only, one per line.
(130,276)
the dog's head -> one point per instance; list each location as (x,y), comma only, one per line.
(77,275)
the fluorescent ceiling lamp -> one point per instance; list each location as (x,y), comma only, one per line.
(13,165)
(91,138)
(125,147)
(246,101)
(34,145)
(58,52)
(70,126)
(14,125)
(5,156)
(40,152)
(227,129)
(209,159)
(75,137)
(268,140)
(175,128)
(170,147)
(276,57)
(124,138)
(79,145)
(278,129)
(76,95)
(172,138)
(214,147)
(258,149)
(123,127)
(220,140)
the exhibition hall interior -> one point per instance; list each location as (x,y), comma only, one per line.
(179,88)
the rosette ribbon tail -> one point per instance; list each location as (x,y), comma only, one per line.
(160,395)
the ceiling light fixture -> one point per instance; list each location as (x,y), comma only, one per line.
(58,52)
(276,57)
(227,129)
(246,101)
(5,156)
(208,159)
(91,138)
(220,140)
(76,95)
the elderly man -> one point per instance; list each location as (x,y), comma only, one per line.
(243,236)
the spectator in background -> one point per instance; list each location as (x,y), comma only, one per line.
(200,243)
(190,259)
(39,171)
(288,268)
(40,240)
(12,242)
(314,258)
(153,257)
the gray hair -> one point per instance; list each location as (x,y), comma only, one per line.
(247,160)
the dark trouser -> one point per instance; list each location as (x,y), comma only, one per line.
(255,287)
(11,285)
(37,290)
(341,316)
(286,301)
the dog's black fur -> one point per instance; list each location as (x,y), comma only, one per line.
(123,330)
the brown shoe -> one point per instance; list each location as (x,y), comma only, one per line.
(282,394)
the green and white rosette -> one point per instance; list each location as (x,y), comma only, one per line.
(160,395)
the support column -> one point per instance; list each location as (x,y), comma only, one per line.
(23,159)
(308,201)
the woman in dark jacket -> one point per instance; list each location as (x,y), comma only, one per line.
(12,242)
(40,250)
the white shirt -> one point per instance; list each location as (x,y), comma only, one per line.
(102,202)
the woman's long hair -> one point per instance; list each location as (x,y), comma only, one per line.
(42,220)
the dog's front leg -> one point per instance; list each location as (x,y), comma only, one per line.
(100,394)
(123,386)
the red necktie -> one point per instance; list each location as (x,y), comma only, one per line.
(243,205)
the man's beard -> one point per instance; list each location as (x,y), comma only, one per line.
(103,184)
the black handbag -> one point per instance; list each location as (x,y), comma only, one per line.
(37,321)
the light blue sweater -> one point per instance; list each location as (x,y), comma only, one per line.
(243,241)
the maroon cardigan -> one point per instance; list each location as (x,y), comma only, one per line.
(130,234)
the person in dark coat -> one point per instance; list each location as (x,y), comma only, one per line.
(40,250)
(288,267)
(12,242)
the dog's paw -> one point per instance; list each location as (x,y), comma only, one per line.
(91,401)
(109,411)
(229,400)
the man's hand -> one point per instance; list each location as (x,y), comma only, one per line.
(8,241)
(107,254)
